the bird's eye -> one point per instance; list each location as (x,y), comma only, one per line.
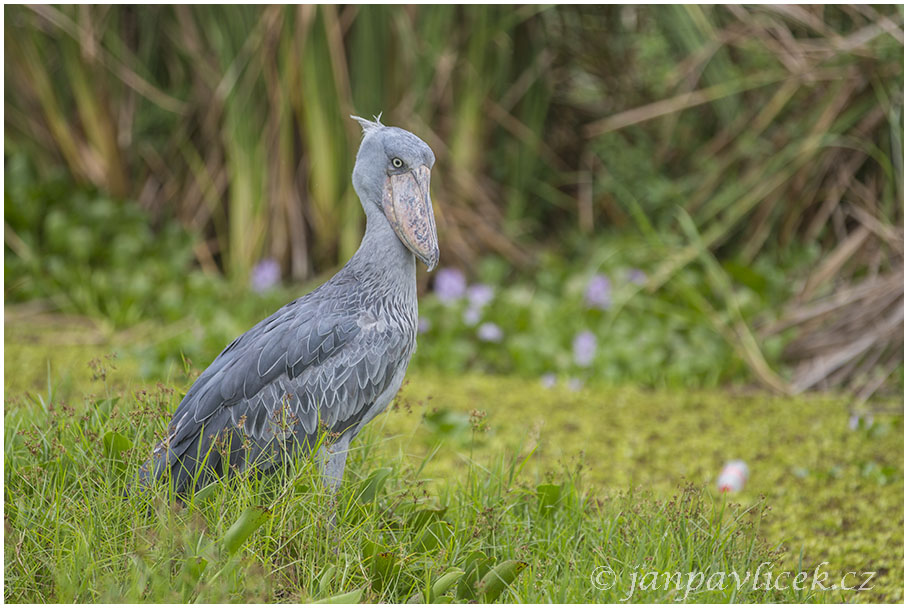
(398,163)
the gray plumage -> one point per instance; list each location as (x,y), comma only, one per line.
(331,359)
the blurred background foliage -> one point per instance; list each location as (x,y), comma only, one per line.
(679,196)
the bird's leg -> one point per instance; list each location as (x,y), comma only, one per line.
(333,464)
(333,459)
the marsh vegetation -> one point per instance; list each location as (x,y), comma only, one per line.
(671,237)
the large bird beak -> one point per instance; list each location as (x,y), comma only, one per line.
(409,211)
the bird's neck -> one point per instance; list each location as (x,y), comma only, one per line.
(382,253)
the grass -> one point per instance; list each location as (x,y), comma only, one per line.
(77,534)
(537,493)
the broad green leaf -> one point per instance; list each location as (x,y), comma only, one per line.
(325,579)
(372,486)
(435,535)
(445,582)
(438,588)
(205,492)
(346,598)
(115,443)
(500,577)
(382,561)
(250,520)
(475,567)
(193,568)
(418,519)
(548,496)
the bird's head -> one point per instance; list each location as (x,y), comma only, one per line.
(392,172)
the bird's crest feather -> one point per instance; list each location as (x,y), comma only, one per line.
(368,125)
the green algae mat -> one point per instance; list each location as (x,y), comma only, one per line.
(834,494)
(823,492)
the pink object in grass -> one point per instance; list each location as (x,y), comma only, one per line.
(733,477)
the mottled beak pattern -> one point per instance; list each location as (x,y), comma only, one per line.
(408,208)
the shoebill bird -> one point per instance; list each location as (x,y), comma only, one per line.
(331,360)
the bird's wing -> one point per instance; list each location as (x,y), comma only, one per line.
(312,361)
(334,393)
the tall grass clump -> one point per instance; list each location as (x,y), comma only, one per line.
(235,121)
(776,133)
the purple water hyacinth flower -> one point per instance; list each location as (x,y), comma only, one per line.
(549,380)
(423,325)
(575,384)
(471,316)
(490,333)
(265,275)
(449,285)
(585,347)
(479,295)
(599,292)
(637,277)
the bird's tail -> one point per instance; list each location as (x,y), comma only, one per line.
(152,470)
